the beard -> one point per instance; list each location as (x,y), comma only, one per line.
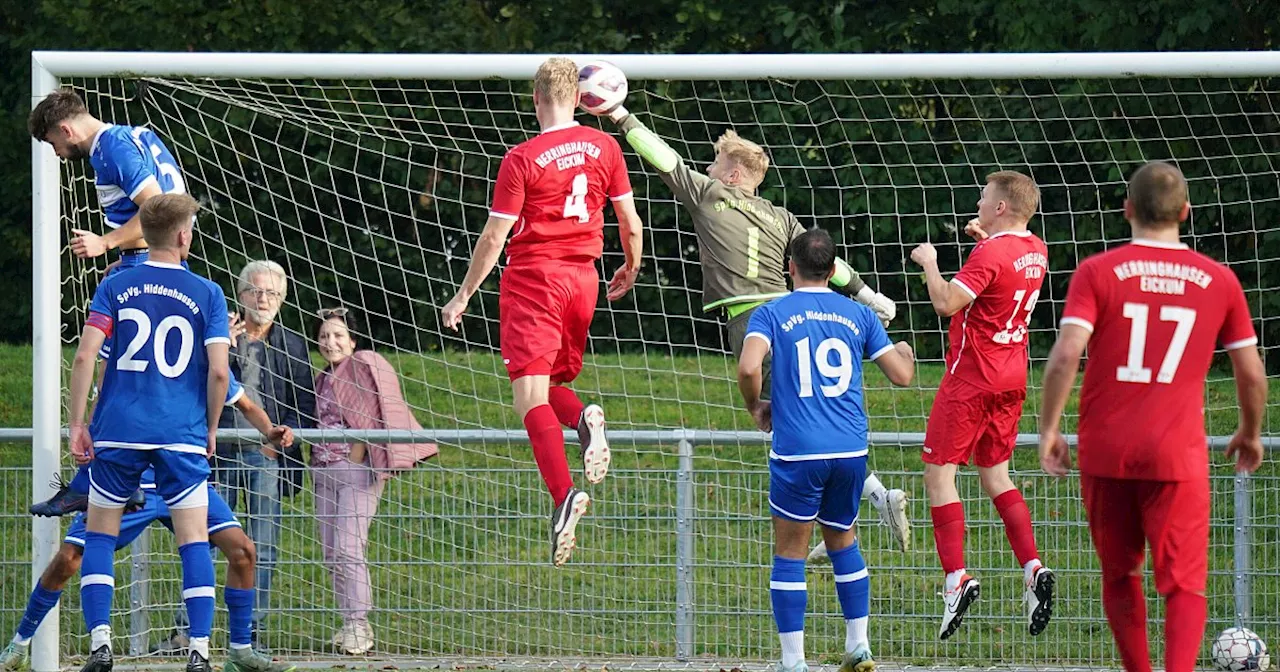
(260,316)
(77,153)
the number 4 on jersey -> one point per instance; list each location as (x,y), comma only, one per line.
(575,204)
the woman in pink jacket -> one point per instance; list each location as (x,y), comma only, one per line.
(357,390)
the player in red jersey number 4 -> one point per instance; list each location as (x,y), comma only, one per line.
(552,189)
(976,411)
(1151,313)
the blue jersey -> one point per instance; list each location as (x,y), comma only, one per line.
(158,319)
(818,340)
(125,160)
(234,391)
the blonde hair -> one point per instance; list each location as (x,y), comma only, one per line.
(163,216)
(245,280)
(557,81)
(1019,191)
(748,155)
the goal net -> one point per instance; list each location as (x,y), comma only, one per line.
(371,193)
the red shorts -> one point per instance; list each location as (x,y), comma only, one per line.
(544,314)
(970,423)
(1173,516)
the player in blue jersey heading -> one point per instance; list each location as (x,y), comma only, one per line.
(162,392)
(818,459)
(130,165)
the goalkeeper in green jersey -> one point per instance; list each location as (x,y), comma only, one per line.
(742,246)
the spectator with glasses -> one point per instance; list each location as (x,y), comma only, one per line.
(357,390)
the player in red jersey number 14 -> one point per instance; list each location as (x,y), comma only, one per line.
(976,411)
(551,190)
(1151,313)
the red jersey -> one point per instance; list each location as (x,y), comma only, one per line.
(554,186)
(1156,312)
(988,339)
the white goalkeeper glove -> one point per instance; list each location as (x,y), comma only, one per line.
(617,114)
(881,305)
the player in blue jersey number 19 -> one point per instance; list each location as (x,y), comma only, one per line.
(818,459)
(168,333)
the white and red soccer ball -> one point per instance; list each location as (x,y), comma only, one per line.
(602,87)
(1240,650)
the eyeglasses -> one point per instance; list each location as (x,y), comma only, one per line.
(258,293)
(326,313)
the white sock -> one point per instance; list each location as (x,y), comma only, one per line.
(241,646)
(874,491)
(953,579)
(17,639)
(101,635)
(855,634)
(1029,569)
(792,648)
(201,646)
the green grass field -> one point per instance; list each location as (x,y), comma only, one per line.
(460,560)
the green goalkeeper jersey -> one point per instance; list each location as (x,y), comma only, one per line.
(742,238)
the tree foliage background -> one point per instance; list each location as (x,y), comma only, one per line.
(664,26)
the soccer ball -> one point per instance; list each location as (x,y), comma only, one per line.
(1239,649)
(602,87)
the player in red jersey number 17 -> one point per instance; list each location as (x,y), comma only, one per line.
(1151,313)
(551,190)
(976,411)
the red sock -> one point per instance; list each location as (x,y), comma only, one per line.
(567,405)
(1017,525)
(1183,630)
(548,450)
(1126,609)
(948,535)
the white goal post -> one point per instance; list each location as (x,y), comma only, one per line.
(288,84)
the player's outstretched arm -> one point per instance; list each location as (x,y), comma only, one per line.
(219,378)
(483,258)
(1251,390)
(688,185)
(1059,378)
(898,364)
(280,435)
(82,374)
(847,281)
(631,230)
(947,299)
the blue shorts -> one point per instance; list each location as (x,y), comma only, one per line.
(827,491)
(181,478)
(155,510)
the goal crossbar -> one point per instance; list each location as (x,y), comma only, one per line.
(664,66)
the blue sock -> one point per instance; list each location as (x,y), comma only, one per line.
(788,593)
(197,587)
(239,615)
(853,587)
(97,579)
(38,606)
(80,483)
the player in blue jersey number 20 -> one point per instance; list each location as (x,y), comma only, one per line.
(818,417)
(167,330)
